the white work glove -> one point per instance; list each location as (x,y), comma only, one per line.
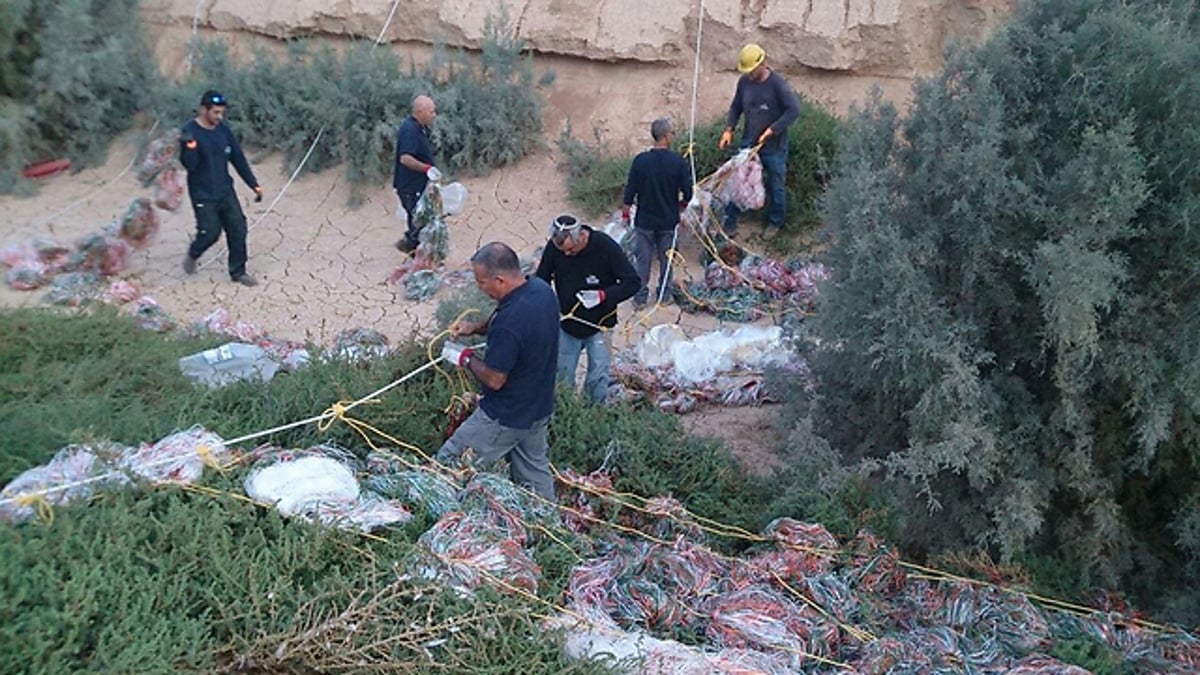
(433,174)
(455,354)
(590,299)
(695,202)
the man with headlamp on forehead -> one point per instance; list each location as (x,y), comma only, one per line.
(591,276)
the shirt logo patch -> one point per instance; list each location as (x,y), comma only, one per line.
(592,280)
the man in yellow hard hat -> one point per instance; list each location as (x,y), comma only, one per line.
(770,106)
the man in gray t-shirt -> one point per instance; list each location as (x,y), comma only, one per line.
(770,106)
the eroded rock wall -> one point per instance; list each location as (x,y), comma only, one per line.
(895,38)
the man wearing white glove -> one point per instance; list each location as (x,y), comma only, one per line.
(516,375)
(591,276)
(414,164)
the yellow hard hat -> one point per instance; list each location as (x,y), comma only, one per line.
(750,58)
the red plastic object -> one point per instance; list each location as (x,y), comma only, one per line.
(43,169)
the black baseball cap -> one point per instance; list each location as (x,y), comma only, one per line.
(213,98)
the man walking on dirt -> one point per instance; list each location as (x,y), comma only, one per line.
(591,276)
(770,106)
(414,164)
(516,373)
(206,147)
(661,184)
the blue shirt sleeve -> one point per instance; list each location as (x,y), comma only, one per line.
(503,349)
(408,141)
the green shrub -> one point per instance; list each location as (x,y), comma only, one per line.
(1010,330)
(72,76)
(595,177)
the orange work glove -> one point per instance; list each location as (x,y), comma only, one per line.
(726,139)
(765,135)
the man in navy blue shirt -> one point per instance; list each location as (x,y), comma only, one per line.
(414,164)
(770,106)
(660,181)
(516,374)
(206,148)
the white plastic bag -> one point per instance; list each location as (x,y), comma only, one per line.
(454,198)
(297,486)
(229,363)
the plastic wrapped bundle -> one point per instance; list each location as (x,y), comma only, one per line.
(739,661)
(220,322)
(55,255)
(73,289)
(740,181)
(578,494)
(426,490)
(470,550)
(812,536)
(139,223)
(367,513)
(762,617)
(160,154)
(874,568)
(1044,665)
(1008,617)
(119,292)
(150,316)
(926,650)
(57,482)
(26,275)
(11,256)
(294,485)
(169,188)
(421,285)
(104,255)
(178,458)
(355,344)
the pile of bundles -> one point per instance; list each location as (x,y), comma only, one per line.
(419,272)
(754,288)
(77,472)
(75,272)
(144,309)
(481,534)
(42,260)
(724,367)
(158,168)
(803,602)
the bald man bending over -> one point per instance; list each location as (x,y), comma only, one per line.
(414,163)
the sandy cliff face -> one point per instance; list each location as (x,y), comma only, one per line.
(895,38)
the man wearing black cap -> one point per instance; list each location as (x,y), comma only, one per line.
(206,147)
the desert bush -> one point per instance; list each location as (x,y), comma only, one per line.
(1010,332)
(595,175)
(72,76)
